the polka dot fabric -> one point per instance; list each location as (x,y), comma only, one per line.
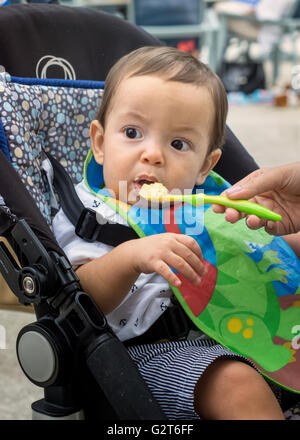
(54,119)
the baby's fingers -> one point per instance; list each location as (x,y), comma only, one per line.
(180,265)
(187,247)
(183,254)
(164,270)
(191,254)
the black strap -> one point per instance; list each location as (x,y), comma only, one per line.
(88,225)
(19,200)
(7,218)
(172,325)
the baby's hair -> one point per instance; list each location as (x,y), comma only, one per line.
(170,64)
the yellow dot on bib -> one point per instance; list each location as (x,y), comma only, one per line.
(249,321)
(248,333)
(235,325)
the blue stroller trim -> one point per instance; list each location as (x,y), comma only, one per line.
(3,142)
(83,84)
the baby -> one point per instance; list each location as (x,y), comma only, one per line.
(162,119)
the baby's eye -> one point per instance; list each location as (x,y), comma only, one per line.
(133,133)
(179,144)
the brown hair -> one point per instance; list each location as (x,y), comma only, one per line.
(173,65)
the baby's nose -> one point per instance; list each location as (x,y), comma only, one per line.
(153,155)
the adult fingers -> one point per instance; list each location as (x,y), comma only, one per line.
(259,182)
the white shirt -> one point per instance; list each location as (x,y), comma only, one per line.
(149,296)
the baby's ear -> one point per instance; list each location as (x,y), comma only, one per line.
(97,138)
(209,163)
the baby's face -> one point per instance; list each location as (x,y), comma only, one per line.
(156,131)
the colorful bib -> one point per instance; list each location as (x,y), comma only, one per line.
(249,301)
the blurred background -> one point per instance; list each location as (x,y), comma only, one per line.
(254,45)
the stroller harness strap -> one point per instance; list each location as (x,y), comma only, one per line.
(87,226)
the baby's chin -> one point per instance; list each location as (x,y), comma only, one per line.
(132,198)
(122,195)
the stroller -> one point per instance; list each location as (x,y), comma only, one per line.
(69,351)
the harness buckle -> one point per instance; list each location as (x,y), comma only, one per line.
(88,227)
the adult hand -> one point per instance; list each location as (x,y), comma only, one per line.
(276,188)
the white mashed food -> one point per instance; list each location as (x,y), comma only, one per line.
(153,191)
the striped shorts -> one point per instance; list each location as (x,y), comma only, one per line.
(172,369)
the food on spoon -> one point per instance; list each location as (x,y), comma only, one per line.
(153,191)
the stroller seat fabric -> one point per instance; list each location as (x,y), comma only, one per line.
(51,116)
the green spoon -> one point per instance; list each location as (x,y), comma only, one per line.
(200,198)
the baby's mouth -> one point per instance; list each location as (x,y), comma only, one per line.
(137,184)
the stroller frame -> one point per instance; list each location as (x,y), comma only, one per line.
(71,335)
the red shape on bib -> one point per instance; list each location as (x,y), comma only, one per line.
(196,297)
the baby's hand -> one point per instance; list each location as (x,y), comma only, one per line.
(157,252)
